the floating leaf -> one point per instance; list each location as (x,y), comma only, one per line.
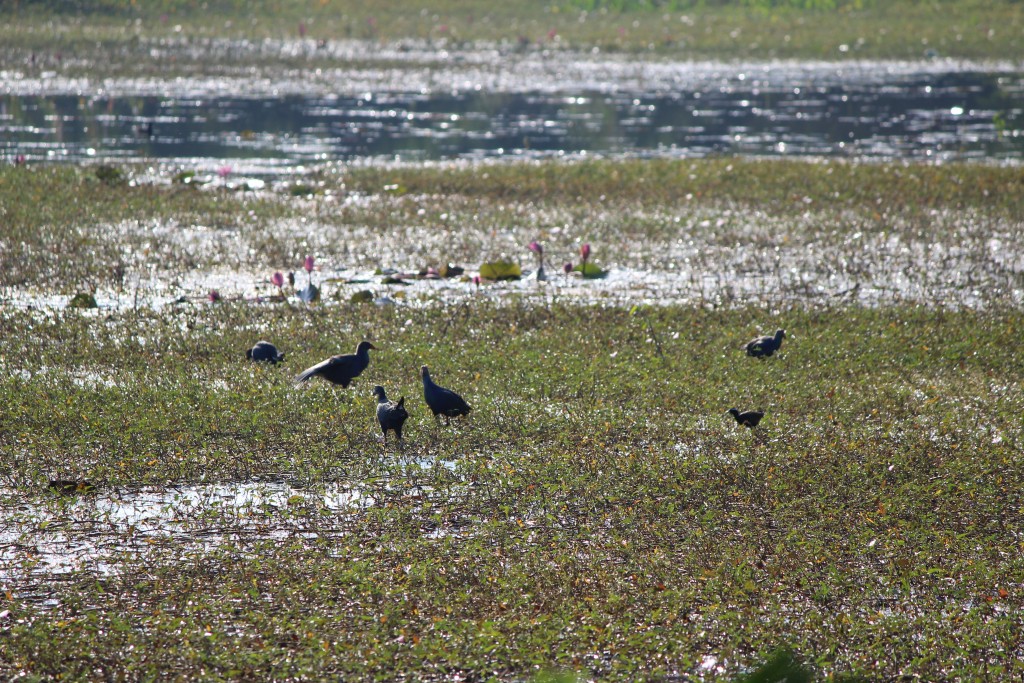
(185,178)
(309,294)
(66,487)
(501,270)
(392,280)
(363,296)
(110,175)
(449,270)
(83,300)
(589,270)
(301,190)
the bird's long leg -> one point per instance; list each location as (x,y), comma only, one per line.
(385,433)
(401,444)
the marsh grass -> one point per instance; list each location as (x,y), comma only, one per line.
(601,514)
(598,512)
(122,38)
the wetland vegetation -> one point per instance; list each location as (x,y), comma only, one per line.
(168,507)
(599,512)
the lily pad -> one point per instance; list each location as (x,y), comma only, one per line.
(363,296)
(110,175)
(448,270)
(83,300)
(392,280)
(301,190)
(589,270)
(185,178)
(501,270)
(309,294)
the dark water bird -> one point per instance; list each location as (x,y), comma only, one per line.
(748,418)
(340,369)
(264,351)
(391,415)
(442,401)
(765,346)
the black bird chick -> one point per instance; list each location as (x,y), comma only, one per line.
(390,415)
(765,346)
(748,418)
(340,369)
(265,352)
(442,401)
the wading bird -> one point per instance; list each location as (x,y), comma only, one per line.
(442,401)
(340,369)
(765,346)
(265,352)
(748,418)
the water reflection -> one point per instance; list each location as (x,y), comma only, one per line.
(948,115)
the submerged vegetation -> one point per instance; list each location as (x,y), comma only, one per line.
(166,504)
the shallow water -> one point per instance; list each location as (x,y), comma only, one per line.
(474,105)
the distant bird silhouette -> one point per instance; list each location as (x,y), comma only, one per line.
(442,401)
(264,351)
(748,418)
(765,346)
(391,415)
(340,369)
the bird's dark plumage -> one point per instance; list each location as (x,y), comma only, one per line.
(765,346)
(340,369)
(391,415)
(442,401)
(748,418)
(264,351)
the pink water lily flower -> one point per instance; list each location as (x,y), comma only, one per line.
(214,295)
(585,251)
(477,280)
(224,171)
(277,279)
(567,267)
(308,265)
(536,248)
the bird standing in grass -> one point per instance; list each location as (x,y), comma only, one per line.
(265,352)
(765,346)
(340,369)
(442,401)
(391,415)
(748,418)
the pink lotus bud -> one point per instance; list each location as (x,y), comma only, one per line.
(19,160)
(214,295)
(536,248)
(585,251)
(277,279)
(224,171)
(552,34)
(308,265)
(477,280)
(567,267)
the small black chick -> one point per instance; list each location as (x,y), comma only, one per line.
(748,418)
(391,415)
